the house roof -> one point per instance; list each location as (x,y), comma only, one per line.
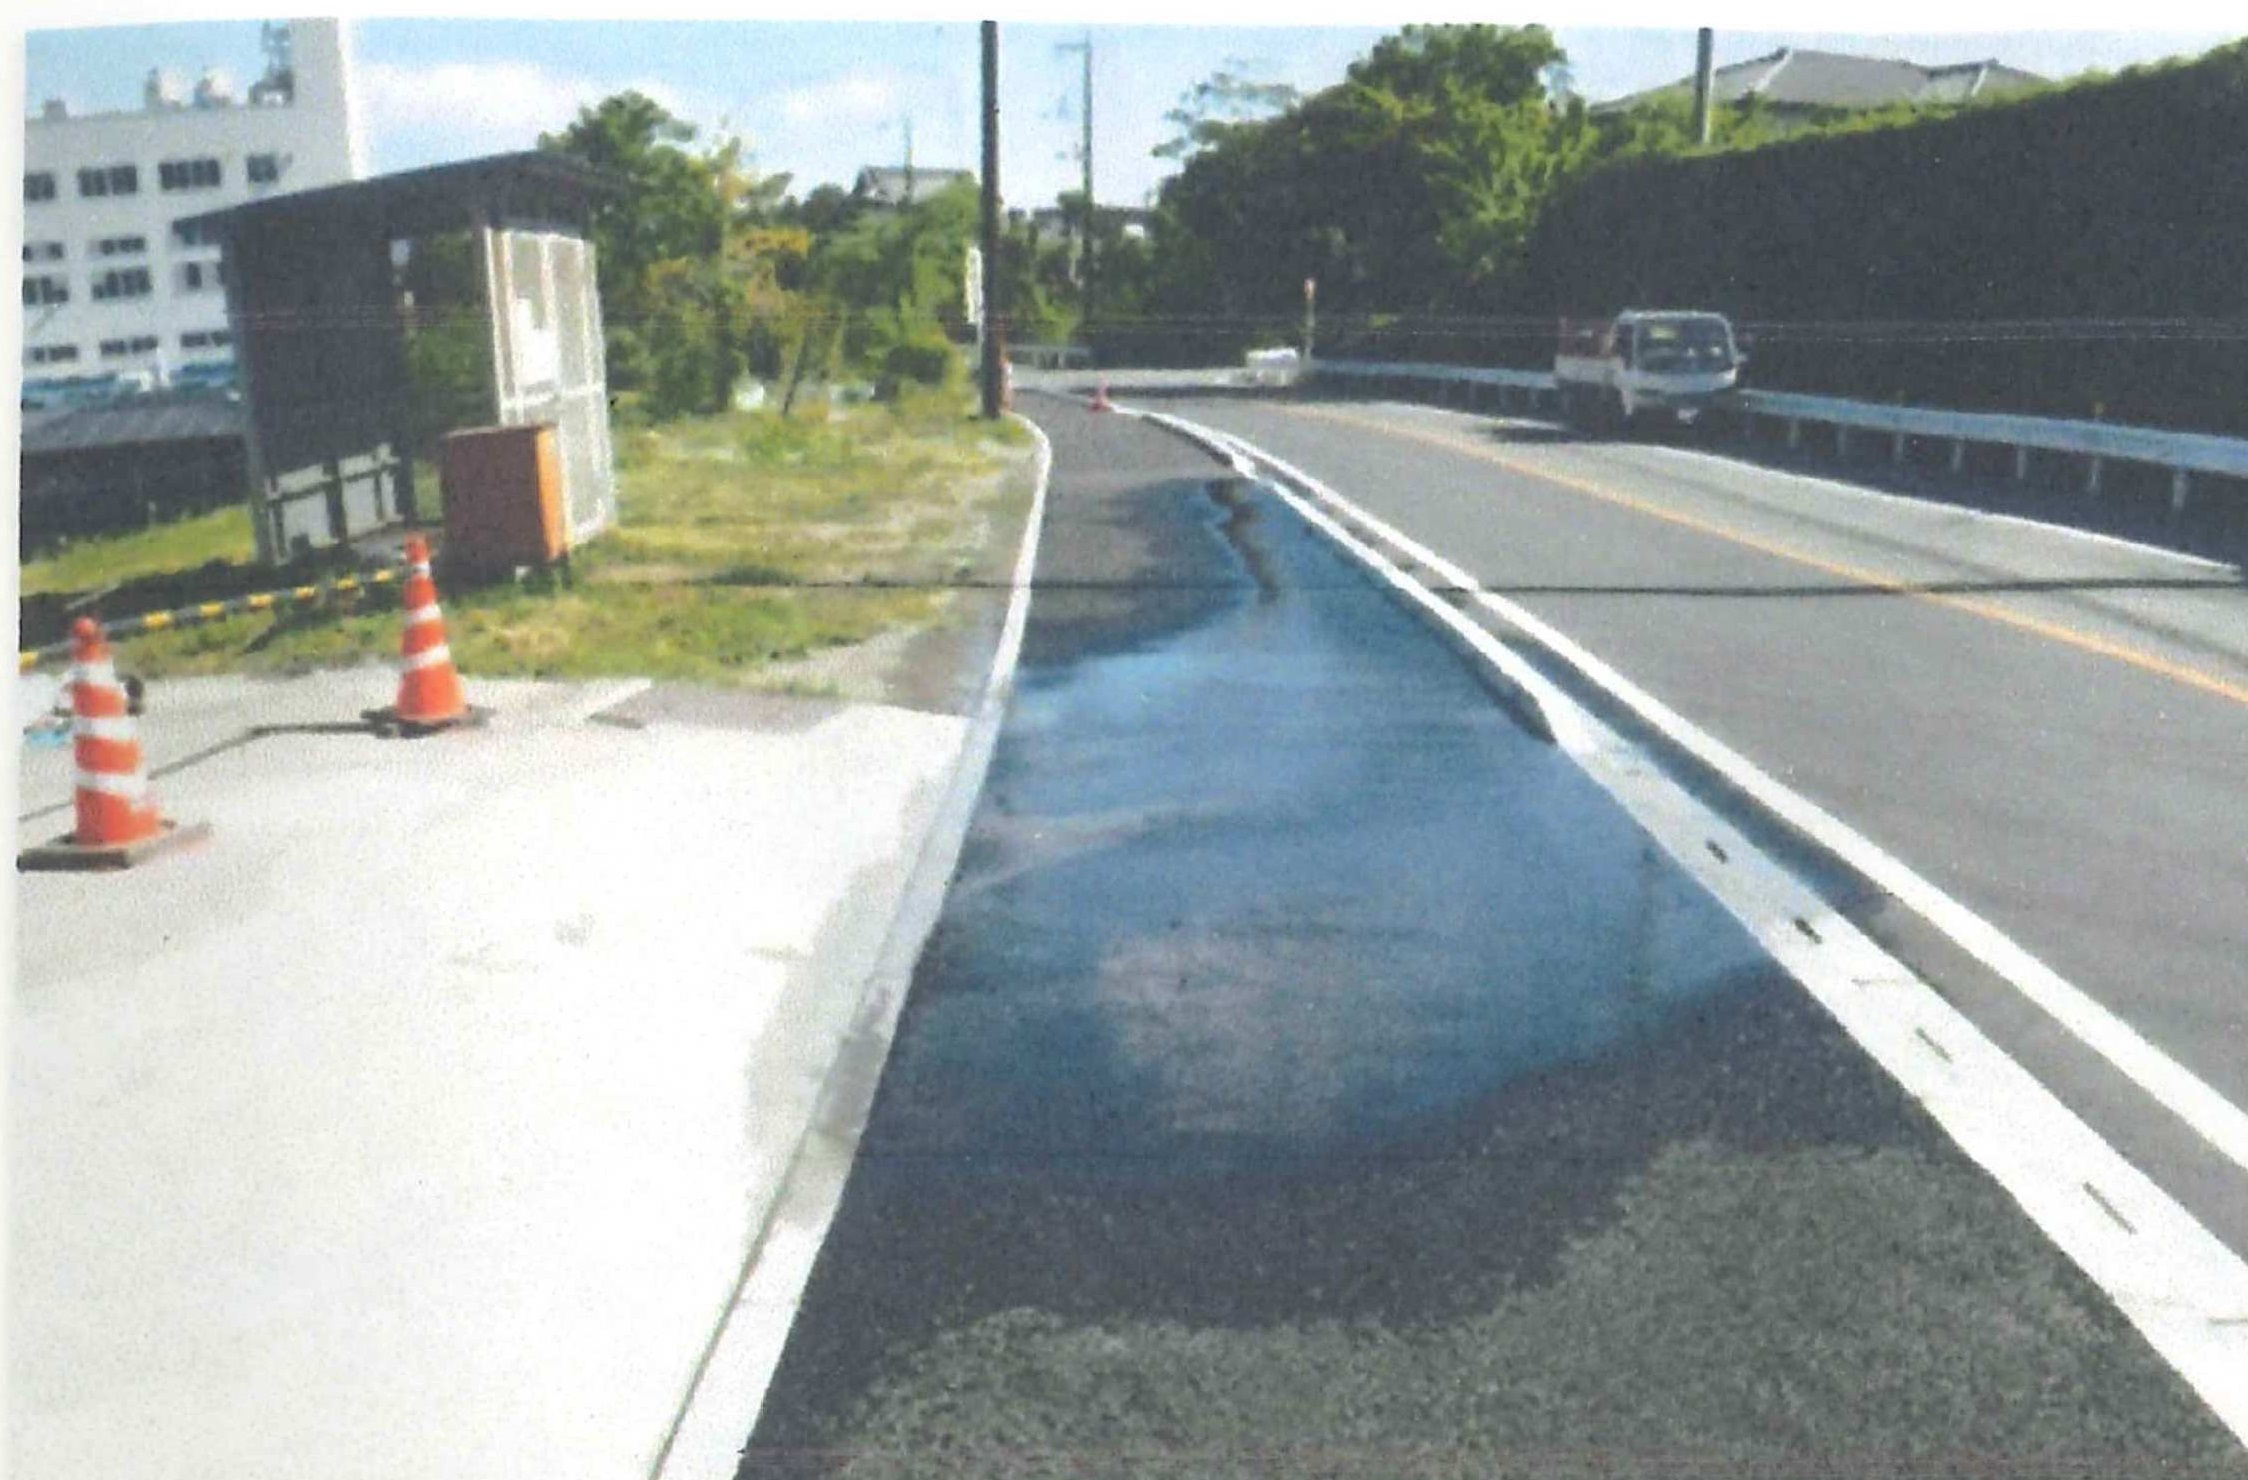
(176,416)
(1794,78)
(886,184)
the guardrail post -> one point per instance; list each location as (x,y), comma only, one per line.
(1841,443)
(1897,451)
(2181,486)
(1794,432)
(2021,464)
(1959,454)
(2092,479)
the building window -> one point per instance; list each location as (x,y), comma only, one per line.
(194,233)
(42,251)
(39,185)
(121,246)
(263,169)
(41,292)
(139,344)
(123,282)
(206,339)
(188,174)
(199,277)
(116,179)
(53,354)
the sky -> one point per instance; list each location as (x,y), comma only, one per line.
(820,99)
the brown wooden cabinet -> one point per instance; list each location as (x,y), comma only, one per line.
(503,497)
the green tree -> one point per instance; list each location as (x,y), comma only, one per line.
(1228,98)
(448,338)
(1500,64)
(895,282)
(701,277)
(669,208)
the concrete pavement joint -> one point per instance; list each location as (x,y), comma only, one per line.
(2171,1286)
(2109,1209)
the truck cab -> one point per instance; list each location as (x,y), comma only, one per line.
(1665,366)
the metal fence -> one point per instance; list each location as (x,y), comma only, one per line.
(2097,443)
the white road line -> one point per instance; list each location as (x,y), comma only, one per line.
(2171,1084)
(2184,1290)
(1859,491)
(729,1394)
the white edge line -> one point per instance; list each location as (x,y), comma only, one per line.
(2184,1290)
(1836,485)
(2176,1088)
(722,1411)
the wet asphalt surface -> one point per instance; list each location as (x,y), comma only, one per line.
(1313,1073)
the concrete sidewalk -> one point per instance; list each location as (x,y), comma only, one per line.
(419,1122)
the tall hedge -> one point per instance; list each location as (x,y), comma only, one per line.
(2125,199)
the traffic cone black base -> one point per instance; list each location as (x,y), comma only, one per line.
(64,856)
(385,721)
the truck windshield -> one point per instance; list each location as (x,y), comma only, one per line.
(1684,344)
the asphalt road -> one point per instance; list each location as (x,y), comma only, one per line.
(1314,1074)
(2052,729)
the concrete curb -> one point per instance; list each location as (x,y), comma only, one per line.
(722,1404)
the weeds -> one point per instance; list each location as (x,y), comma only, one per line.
(743,540)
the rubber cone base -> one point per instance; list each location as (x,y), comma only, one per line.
(385,721)
(64,856)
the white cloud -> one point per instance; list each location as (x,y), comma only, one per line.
(854,96)
(487,107)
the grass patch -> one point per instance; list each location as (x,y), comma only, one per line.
(222,535)
(743,540)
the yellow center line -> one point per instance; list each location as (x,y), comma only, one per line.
(1990,611)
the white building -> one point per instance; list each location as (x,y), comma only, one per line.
(111,289)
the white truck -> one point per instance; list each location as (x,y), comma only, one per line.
(1642,365)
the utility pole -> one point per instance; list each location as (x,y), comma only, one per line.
(1705,76)
(1090,210)
(1085,156)
(909,159)
(994,322)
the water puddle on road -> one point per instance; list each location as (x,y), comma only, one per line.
(1314,1073)
(1285,883)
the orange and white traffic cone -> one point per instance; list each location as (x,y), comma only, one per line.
(1100,400)
(429,687)
(118,824)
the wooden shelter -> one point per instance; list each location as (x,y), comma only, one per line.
(320,323)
